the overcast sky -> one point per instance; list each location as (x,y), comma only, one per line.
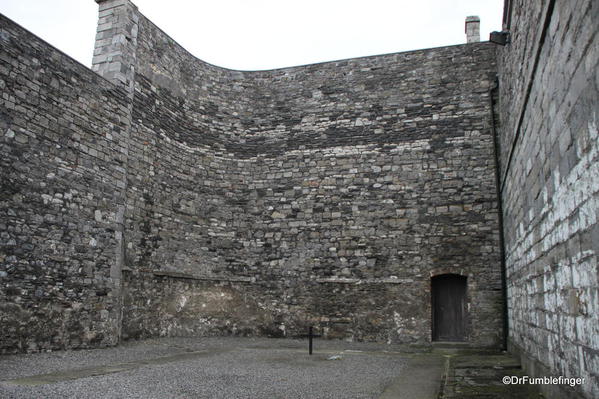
(265,34)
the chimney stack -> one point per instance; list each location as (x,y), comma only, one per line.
(472,29)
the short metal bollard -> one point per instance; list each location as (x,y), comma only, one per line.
(310,336)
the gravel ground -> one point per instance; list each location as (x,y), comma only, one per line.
(211,368)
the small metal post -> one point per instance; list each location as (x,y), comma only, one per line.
(310,335)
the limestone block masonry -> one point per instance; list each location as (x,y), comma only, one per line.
(63,139)
(326,195)
(158,195)
(208,201)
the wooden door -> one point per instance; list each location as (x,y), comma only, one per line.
(449,307)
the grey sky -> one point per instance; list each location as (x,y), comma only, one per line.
(264,34)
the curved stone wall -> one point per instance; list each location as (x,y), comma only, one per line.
(324,194)
(258,203)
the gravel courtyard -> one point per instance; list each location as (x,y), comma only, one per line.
(206,368)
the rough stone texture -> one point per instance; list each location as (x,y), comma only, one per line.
(251,203)
(550,146)
(62,176)
(337,190)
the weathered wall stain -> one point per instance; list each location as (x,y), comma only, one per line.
(548,107)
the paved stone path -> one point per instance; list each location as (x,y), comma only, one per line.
(472,375)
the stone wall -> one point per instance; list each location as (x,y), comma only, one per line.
(550,148)
(63,139)
(336,190)
(251,203)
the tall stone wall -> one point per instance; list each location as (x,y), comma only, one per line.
(63,140)
(211,201)
(550,178)
(327,194)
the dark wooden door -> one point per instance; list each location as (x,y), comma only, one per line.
(449,307)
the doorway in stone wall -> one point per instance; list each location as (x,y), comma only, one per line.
(448,293)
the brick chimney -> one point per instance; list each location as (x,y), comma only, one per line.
(472,29)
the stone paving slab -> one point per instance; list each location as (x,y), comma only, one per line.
(472,375)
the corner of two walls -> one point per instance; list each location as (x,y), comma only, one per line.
(114,59)
(238,219)
(180,214)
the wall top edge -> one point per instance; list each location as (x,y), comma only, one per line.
(302,66)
